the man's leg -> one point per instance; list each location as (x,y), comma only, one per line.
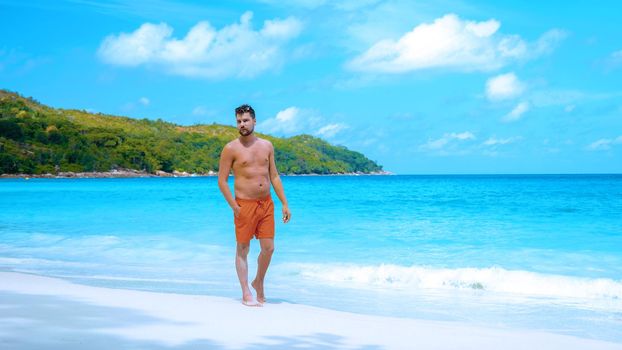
(241,266)
(263,261)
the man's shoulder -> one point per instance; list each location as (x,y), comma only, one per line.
(231,147)
(233,143)
(265,142)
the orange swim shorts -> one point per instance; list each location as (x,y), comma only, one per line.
(256,218)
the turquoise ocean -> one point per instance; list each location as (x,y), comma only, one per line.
(538,252)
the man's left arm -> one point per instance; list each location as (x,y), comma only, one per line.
(275,179)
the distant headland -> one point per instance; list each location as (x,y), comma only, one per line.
(40,141)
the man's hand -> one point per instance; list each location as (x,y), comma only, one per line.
(236,210)
(286,215)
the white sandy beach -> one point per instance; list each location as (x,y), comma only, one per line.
(47,313)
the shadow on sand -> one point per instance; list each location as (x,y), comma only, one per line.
(48,322)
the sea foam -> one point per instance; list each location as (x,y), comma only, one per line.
(492,279)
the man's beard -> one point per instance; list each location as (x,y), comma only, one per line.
(245,132)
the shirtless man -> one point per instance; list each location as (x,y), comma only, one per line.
(254,169)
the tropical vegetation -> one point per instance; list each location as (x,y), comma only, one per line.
(38,139)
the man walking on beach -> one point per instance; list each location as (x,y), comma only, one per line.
(254,169)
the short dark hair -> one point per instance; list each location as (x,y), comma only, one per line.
(245,108)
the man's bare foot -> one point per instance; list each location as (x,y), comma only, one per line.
(249,301)
(259,289)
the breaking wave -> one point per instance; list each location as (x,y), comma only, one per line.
(492,279)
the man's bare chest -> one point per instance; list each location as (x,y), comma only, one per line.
(251,158)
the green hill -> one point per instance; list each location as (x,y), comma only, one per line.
(37,139)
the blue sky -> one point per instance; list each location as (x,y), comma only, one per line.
(422,87)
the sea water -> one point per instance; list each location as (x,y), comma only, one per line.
(540,252)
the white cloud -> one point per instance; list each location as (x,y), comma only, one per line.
(448,138)
(463,136)
(293,121)
(285,122)
(310,4)
(604,144)
(199,110)
(135,48)
(353,5)
(454,43)
(614,60)
(491,146)
(345,5)
(504,86)
(548,42)
(131,106)
(548,98)
(568,100)
(19,62)
(290,121)
(234,50)
(331,130)
(517,112)
(493,141)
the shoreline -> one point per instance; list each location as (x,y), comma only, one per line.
(45,312)
(130,173)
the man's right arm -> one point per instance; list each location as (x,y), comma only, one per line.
(224,167)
